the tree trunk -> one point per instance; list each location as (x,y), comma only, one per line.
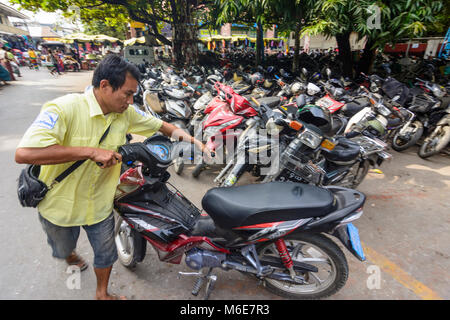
(259,44)
(368,58)
(184,37)
(345,53)
(296,61)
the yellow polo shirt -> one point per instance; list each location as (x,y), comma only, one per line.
(85,197)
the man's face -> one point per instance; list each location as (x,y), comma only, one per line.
(119,100)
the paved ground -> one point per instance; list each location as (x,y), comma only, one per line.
(405,226)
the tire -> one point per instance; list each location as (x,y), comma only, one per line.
(310,246)
(361,174)
(399,145)
(444,138)
(198,169)
(131,246)
(357,178)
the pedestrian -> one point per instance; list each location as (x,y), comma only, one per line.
(6,62)
(59,57)
(54,61)
(13,61)
(33,59)
(69,129)
(4,75)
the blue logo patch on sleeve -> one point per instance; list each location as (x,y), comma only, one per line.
(46,120)
(142,113)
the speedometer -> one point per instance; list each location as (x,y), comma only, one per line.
(160,151)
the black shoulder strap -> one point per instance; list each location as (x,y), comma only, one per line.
(79,162)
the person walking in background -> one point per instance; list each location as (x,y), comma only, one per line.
(54,69)
(5,62)
(13,61)
(33,58)
(4,75)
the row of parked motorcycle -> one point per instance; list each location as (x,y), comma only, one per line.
(311,138)
(324,130)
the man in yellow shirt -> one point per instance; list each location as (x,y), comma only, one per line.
(68,129)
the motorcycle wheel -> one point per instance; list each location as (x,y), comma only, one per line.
(399,144)
(314,249)
(430,148)
(354,177)
(131,246)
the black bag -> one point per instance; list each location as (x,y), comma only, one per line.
(31,190)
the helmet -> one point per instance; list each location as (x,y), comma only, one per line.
(312,89)
(297,88)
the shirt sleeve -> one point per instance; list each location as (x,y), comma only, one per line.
(142,123)
(48,128)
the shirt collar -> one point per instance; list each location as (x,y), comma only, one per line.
(94,107)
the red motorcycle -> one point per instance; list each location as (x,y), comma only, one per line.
(221,126)
(282,243)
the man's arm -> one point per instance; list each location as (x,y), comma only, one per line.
(178,134)
(57,154)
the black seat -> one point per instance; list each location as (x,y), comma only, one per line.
(345,150)
(264,203)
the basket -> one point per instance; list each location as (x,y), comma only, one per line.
(305,170)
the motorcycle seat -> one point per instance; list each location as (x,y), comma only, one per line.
(346,150)
(271,102)
(264,203)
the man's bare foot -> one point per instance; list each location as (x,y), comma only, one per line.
(109,297)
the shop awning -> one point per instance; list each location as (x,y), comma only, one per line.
(81,37)
(141,40)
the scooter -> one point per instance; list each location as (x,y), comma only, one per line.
(224,114)
(282,243)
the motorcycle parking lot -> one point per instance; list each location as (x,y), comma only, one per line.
(404,228)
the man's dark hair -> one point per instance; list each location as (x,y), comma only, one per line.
(114,69)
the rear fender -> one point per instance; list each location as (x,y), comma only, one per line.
(348,235)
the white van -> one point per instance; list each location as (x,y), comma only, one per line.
(137,54)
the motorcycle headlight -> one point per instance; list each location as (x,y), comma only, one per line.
(310,138)
(383,110)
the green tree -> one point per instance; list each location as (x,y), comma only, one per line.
(397,19)
(248,12)
(183,15)
(100,27)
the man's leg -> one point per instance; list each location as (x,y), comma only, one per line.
(101,237)
(62,240)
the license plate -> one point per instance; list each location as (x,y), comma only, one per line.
(353,235)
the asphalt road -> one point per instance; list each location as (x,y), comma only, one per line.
(404,228)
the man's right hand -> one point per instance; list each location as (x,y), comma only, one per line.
(105,158)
